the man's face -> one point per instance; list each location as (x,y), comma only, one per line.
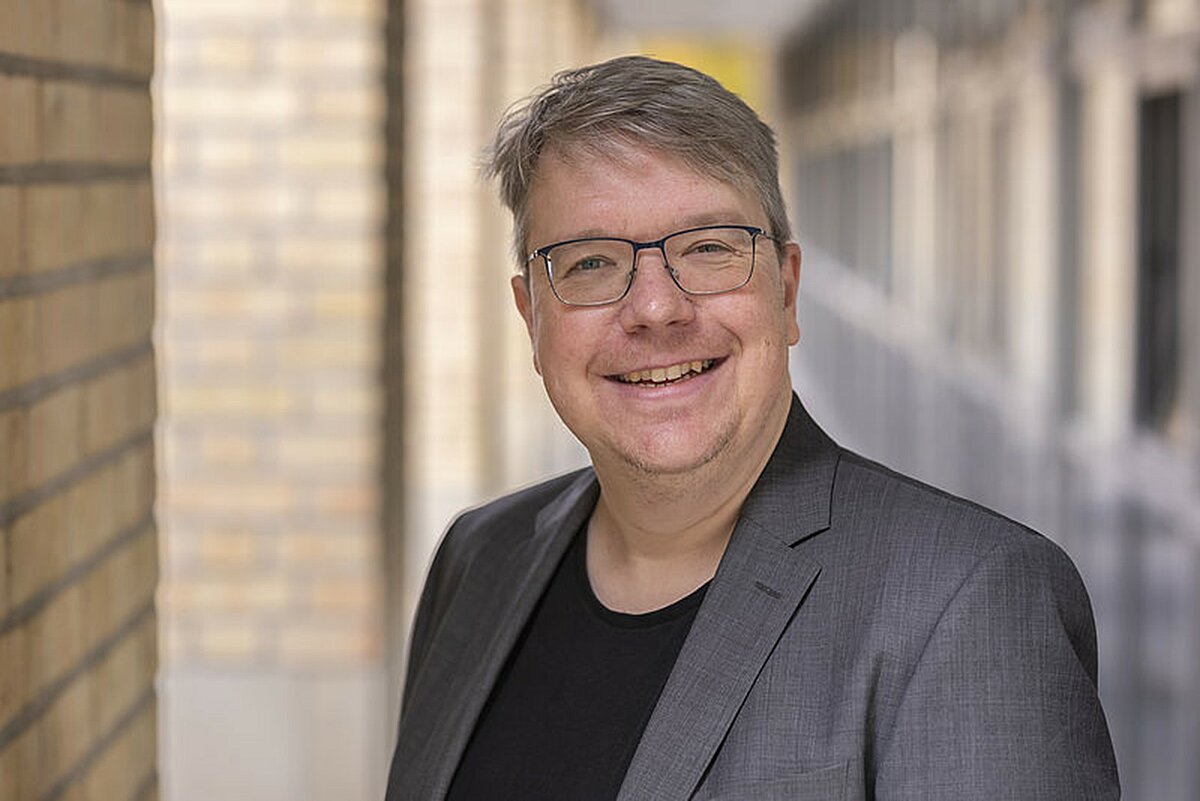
(585,355)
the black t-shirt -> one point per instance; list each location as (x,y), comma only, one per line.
(570,705)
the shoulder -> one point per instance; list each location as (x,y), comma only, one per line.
(929,548)
(500,524)
(894,510)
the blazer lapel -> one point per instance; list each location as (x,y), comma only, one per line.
(759,585)
(462,675)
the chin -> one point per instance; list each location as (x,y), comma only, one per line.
(664,457)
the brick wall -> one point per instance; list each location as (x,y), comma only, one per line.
(273,200)
(476,419)
(78,547)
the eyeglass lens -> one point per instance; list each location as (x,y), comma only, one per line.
(707,261)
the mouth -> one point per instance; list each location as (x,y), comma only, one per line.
(664,376)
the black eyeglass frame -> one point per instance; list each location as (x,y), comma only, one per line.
(659,244)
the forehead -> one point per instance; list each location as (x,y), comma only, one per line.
(630,192)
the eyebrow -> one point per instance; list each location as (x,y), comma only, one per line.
(691,221)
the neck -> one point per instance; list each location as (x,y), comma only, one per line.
(654,538)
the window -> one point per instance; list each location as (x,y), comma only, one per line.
(1160,163)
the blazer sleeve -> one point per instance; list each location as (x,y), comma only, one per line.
(1002,702)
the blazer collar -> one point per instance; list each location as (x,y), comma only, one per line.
(461,675)
(791,499)
(759,584)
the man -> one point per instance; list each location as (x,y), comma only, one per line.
(726,604)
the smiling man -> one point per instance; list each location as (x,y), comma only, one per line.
(726,604)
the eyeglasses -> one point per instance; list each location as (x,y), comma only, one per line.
(707,260)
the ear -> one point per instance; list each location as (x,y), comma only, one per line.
(790,272)
(524,301)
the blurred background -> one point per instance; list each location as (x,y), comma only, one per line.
(256,344)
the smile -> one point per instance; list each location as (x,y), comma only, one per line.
(666,375)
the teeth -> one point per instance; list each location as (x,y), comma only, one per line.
(660,375)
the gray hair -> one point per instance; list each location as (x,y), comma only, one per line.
(644,102)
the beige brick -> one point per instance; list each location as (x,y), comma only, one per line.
(5,579)
(220,354)
(14,453)
(313,152)
(17,342)
(18,34)
(305,550)
(350,500)
(10,767)
(117,587)
(90,512)
(134,43)
(19,130)
(355,10)
(347,54)
(13,691)
(231,640)
(343,455)
(224,451)
(124,308)
(244,402)
(70,113)
(54,221)
(326,351)
(65,333)
(260,101)
(251,497)
(342,595)
(12,245)
(349,306)
(107,410)
(134,479)
(66,224)
(307,643)
(121,768)
(55,434)
(140,202)
(228,52)
(226,551)
(124,126)
(124,673)
(39,544)
(185,12)
(362,104)
(20,773)
(332,260)
(67,729)
(350,205)
(118,404)
(83,32)
(55,639)
(217,155)
(345,403)
(243,594)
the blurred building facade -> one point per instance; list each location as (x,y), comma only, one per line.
(78,538)
(999,204)
(337,378)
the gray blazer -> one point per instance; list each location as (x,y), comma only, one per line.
(865,637)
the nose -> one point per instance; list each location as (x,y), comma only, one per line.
(654,299)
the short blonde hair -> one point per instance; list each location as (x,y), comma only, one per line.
(641,102)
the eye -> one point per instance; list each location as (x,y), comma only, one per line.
(588,264)
(712,247)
